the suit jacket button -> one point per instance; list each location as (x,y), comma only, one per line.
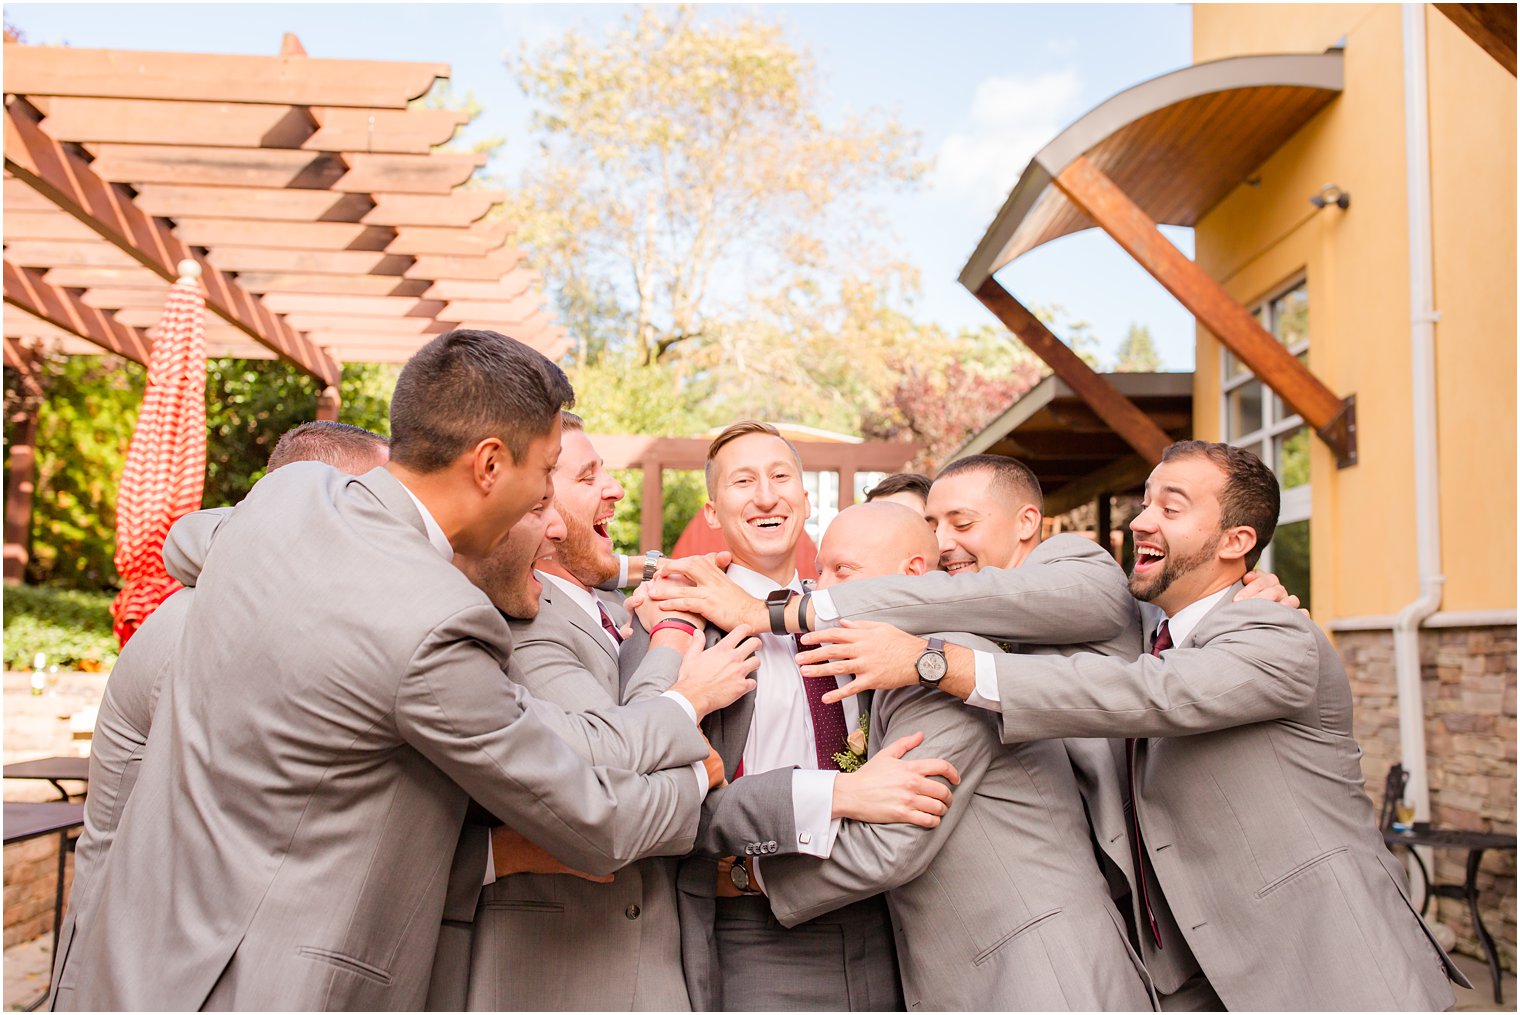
(771,846)
(632,912)
(749,849)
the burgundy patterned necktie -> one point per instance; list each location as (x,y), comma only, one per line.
(1137,843)
(828,720)
(607,623)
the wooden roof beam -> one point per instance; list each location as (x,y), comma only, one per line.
(217,77)
(67,180)
(1491,26)
(25,290)
(1333,417)
(1122,416)
(296,168)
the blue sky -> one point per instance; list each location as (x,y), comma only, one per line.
(985,85)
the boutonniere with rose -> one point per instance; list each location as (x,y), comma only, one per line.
(855,746)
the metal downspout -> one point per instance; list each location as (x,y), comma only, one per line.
(1427,498)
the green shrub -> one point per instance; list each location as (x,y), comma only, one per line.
(72,627)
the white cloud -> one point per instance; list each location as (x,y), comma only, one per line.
(1010,119)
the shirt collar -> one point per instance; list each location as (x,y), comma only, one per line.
(757,584)
(1181,625)
(585,600)
(434,533)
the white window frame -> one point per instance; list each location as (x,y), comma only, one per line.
(1297,501)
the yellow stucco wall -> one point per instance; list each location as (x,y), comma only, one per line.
(1356,262)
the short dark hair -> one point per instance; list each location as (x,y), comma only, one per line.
(1013,478)
(733,432)
(468,385)
(1251,495)
(350,448)
(901,482)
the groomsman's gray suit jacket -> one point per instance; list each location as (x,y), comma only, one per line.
(1253,810)
(554,941)
(999,906)
(336,698)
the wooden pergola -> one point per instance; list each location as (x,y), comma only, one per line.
(328,224)
(1167,151)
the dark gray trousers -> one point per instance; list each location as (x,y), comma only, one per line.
(842,961)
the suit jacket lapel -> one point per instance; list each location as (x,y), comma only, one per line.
(1229,597)
(591,629)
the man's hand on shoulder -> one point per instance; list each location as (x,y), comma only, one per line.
(712,678)
(890,789)
(707,590)
(1266,585)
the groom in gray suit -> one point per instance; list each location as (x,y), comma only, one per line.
(335,700)
(1257,853)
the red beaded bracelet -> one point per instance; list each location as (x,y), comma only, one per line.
(676,625)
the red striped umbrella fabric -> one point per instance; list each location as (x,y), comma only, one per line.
(165,472)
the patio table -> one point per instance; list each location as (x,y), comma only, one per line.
(52,770)
(28,821)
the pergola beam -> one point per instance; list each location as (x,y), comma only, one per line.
(1332,417)
(1491,26)
(1122,416)
(219,77)
(68,182)
(26,290)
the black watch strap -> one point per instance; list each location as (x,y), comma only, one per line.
(775,603)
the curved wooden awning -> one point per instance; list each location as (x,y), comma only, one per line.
(1176,144)
(1166,152)
(328,228)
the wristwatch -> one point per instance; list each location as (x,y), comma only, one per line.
(931,665)
(651,564)
(776,602)
(739,875)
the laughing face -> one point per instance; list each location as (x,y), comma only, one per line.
(506,573)
(976,525)
(587,496)
(1178,534)
(759,502)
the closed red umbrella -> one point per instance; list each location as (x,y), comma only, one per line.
(166,462)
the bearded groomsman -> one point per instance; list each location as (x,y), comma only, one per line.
(1256,848)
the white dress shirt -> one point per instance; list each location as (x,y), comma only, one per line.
(1179,626)
(781,728)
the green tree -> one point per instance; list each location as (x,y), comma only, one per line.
(1138,353)
(687,179)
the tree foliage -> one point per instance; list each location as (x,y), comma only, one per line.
(1138,353)
(84,426)
(687,178)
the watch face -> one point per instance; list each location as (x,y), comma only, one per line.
(739,876)
(932,667)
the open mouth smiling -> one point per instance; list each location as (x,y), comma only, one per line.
(955,566)
(768,523)
(1148,557)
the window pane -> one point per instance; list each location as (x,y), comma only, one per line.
(1290,559)
(1244,410)
(1293,458)
(1233,367)
(1290,315)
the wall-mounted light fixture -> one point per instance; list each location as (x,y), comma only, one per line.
(1331,193)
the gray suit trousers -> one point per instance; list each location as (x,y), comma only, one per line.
(841,961)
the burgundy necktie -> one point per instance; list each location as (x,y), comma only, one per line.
(607,622)
(1137,843)
(828,720)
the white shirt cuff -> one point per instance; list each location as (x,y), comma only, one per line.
(813,811)
(986,693)
(490,863)
(680,699)
(825,613)
(623,581)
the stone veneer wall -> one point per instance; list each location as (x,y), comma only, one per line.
(1468,676)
